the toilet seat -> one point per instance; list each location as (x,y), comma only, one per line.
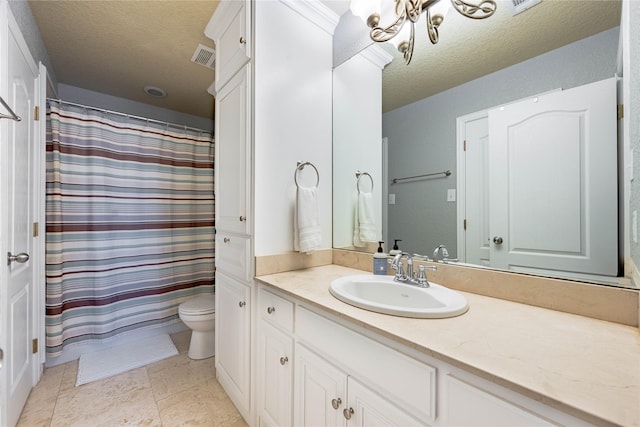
(200,305)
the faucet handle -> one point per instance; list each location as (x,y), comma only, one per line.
(422,275)
(422,257)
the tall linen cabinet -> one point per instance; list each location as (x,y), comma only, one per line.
(272,107)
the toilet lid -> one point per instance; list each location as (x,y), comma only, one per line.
(202,304)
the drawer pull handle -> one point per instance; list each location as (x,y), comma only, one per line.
(226,240)
(242,304)
(270,310)
(347,413)
(336,403)
(243,218)
(284,360)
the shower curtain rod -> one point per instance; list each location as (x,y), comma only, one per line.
(130,116)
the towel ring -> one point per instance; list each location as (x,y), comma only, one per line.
(299,167)
(360,175)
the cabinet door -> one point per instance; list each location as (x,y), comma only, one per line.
(233,159)
(321,391)
(233,47)
(275,359)
(233,320)
(233,255)
(367,408)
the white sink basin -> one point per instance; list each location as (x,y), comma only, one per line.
(383,295)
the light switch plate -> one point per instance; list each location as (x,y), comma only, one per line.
(451,195)
(392,199)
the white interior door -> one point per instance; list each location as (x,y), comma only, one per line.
(476,190)
(17,153)
(553,181)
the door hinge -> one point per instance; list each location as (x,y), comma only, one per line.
(34,345)
(464,148)
(620,111)
(36,113)
(464,224)
(36,229)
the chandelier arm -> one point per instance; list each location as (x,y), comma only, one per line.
(412,9)
(432,29)
(484,9)
(384,34)
(408,53)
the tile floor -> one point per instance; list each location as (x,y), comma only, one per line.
(176,391)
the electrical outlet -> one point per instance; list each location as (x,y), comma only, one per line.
(451,195)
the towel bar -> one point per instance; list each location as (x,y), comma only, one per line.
(445,173)
(11,115)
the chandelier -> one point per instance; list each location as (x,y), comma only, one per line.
(409,12)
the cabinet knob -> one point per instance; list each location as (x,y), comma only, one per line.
(284,360)
(243,218)
(226,240)
(242,40)
(270,310)
(347,413)
(242,304)
(336,403)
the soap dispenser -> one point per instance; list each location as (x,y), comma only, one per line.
(380,261)
(395,251)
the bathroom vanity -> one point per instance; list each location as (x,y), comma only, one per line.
(501,363)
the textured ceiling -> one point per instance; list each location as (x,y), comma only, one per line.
(469,48)
(119,47)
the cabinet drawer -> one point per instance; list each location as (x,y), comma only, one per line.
(275,310)
(408,382)
(232,256)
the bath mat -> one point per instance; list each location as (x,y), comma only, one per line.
(116,360)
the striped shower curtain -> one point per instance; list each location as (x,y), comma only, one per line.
(130,216)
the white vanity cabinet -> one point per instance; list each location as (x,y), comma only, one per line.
(233,338)
(345,375)
(274,360)
(327,396)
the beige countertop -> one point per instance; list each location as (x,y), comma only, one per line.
(585,367)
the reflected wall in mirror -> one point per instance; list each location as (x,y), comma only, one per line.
(422,135)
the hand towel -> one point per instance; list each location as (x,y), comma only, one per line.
(364,227)
(307,234)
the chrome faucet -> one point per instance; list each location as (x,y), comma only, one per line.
(441,254)
(410,278)
(396,264)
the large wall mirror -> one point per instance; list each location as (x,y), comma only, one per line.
(476,66)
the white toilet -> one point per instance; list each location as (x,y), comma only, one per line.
(198,313)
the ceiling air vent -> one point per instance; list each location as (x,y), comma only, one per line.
(518,6)
(204,56)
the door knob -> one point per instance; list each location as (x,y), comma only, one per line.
(497,240)
(20,258)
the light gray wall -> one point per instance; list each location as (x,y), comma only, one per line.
(108,102)
(632,113)
(422,135)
